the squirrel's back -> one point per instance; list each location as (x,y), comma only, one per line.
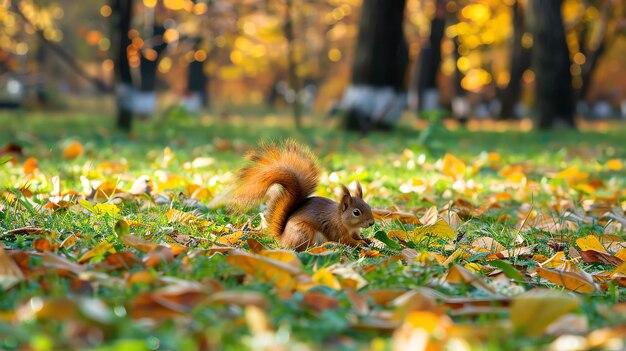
(291,166)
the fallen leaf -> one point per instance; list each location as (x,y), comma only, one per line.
(532,312)
(73,150)
(573,281)
(461,275)
(30,165)
(279,273)
(452,166)
(319,302)
(138,243)
(99,250)
(42,244)
(10,273)
(590,242)
(324,277)
(591,256)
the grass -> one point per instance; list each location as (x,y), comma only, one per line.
(204,298)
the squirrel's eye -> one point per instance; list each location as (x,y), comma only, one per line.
(356,212)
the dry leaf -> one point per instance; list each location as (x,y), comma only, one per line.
(73,150)
(574,281)
(532,312)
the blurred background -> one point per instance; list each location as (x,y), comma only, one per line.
(367,62)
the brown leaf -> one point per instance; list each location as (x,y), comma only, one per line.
(118,260)
(167,303)
(358,302)
(61,263)
(58,309)
(488,244)
(42,245)
(30,230)
(239,298)
(461,275)
(10,273)
(590,256)
(157,256)
(254,245)
(279,273)
(574,281)
(138,243)
(320,302)
(384,296)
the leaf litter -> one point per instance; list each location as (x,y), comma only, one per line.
(466,252)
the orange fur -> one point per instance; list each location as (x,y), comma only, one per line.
(297,219)
(292,167)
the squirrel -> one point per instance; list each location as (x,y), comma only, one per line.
(294,217)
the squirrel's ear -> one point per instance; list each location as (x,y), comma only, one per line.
(346,199)
(359,190)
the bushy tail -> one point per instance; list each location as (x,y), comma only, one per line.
(291,166)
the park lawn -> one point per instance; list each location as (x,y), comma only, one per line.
(520,245)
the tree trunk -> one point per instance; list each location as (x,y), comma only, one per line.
(292,95)
(144,102)
(197,93)
(520,62)
(375,97)
(120,25)
(595,50)
(551,62)
(461,108)
(430,60)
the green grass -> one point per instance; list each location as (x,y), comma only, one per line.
(37,314)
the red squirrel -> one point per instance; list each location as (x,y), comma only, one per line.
(295,218)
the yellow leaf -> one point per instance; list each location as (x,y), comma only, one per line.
(68,242)
(572,175)
(73,150)
(556,261)
(177,216)
(452,166)
(439,230)
(574,281)
(621,254)
(106,209)
(614,165)
(324,277)
(230,239)
(106,190)
(590,242)
(532,312)
(287,256)
(266,269)
(99,250)
(461,275)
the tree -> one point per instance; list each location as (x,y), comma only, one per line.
(551,63)
(430,60)
(519,63)
(375,97)
(120,26)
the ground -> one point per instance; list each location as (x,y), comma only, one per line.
(484,239)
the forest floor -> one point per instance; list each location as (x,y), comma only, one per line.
(487,237)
